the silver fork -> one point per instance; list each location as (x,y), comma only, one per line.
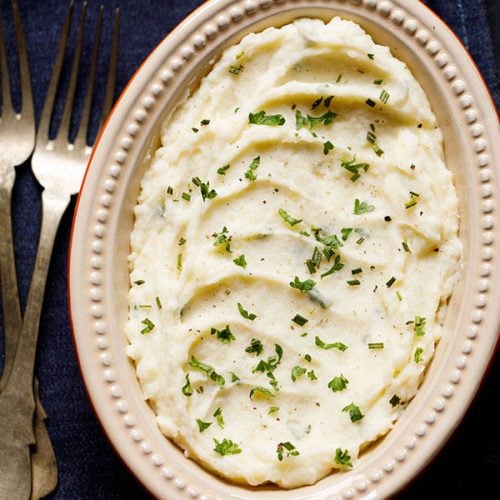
(17,140)
(59,166)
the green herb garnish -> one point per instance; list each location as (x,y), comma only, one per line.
(354,168)
(312,375)
(226,447)
(223,170)
(327,147)
(149,325)
(297,372)
(354,412)
(384,96)
(314,262)
(245,313)
(337,266)
(335,345)
(303,286)
(208,370)
(273,409)
(338,384)
(417,357)
(254,165)
(312,121)
(370,103)
(342,457)
(262,391)
(225,335)
(255,347)
(390,282)
(419,326)
(158,302)
(261,118)
(376,345)
(139,282)
(287,448)
(300,320)
(187,390)
(362,207)
(203,426)
(236,70)
(240,261)
(219,418)
(205,190)
(395,400)
(222,239)
(288,218)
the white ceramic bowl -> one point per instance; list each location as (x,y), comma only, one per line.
(100,244)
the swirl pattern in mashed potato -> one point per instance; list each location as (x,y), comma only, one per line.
(294,247)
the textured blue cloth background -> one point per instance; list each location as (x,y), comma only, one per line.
(469,466)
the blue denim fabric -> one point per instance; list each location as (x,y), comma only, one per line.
(88,467)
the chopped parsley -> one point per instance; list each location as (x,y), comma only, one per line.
(362,207)
(376,345)
(240,261)
(204,122)
(205,190)
(234,377)
(354,168)
(255,347)
(327,147)
(222,170)
(353,282)
(236,70)
(314,262)
(335,345)
(412,201)
(316,103)
(378,82)
(226,447)
(307,357)
(222,239)
(338,384)
(303,286)
(149,326)
(287,448)
(419,326)
(288,218)
(354,412)
(203,426)
(254,165)
(312,375)
(225,335)
(300,320)
(245,313)
(158,302)
(395,400)
(262,391)
(219,418)
(342,457)
(273,409)
(327,102)
(272,362)
(346,232)
(261,118)
(337,266)
(187,390)
(186,196)
(208,370)
(390,282)
(417,357)
(312,121)
(384,96)
(297,372)
(181,241)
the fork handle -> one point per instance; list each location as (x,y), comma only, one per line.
(21,378)
(10,294)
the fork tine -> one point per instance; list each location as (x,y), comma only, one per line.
(110,86)
(44,126)
(87,106)
(70,97)
(24,72)
(4,69)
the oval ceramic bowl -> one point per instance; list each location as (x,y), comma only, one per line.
(100,245)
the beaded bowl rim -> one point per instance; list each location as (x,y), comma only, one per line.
(127,420)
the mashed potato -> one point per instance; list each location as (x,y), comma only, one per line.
(294,248)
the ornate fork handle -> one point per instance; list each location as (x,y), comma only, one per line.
(17,403)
